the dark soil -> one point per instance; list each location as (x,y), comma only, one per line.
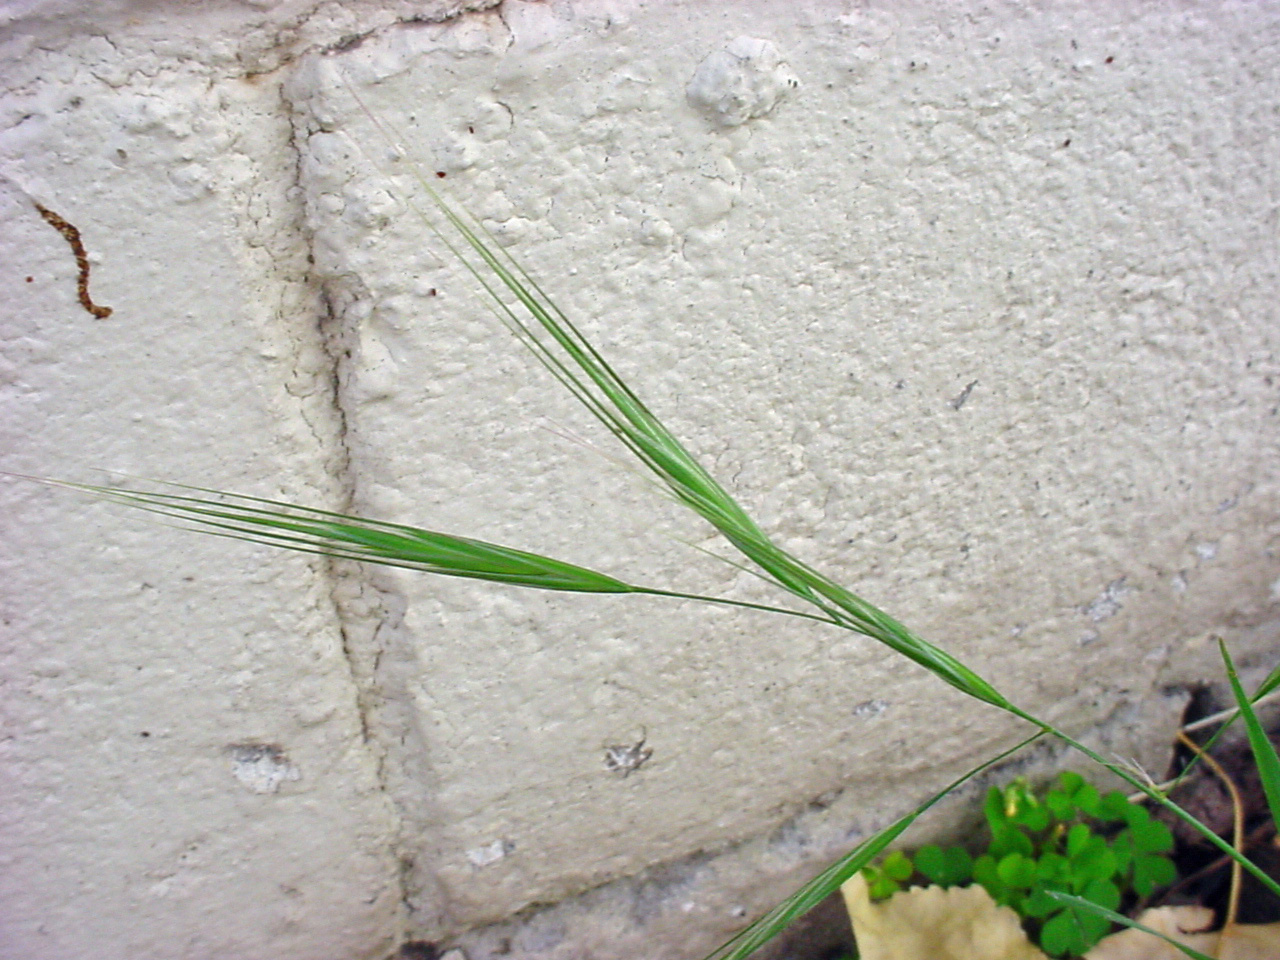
(1204,869)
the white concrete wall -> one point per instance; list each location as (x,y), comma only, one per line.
(979,316)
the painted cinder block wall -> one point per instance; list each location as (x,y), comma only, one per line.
(975,308)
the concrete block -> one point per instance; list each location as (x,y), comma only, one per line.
(974,311)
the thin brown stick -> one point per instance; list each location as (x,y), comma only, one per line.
(72,236)
(1237,831)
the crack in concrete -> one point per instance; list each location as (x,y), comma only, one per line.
(329,329)
(288,45)
(368,603)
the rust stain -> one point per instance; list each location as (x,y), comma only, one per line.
(72,236)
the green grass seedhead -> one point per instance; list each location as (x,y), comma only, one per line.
(562,348)
(330,534)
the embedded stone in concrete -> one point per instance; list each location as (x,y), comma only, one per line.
(744,80)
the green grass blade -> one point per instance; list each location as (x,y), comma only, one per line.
(1264,754)
(1267,685)
(1091,907)
(828,882)
(1264,688)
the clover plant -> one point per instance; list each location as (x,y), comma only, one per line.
(1072,839)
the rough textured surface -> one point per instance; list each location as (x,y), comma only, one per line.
(975,311)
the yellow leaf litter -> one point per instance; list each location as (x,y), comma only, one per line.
(930,923)
(964,923)
(1238,941)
